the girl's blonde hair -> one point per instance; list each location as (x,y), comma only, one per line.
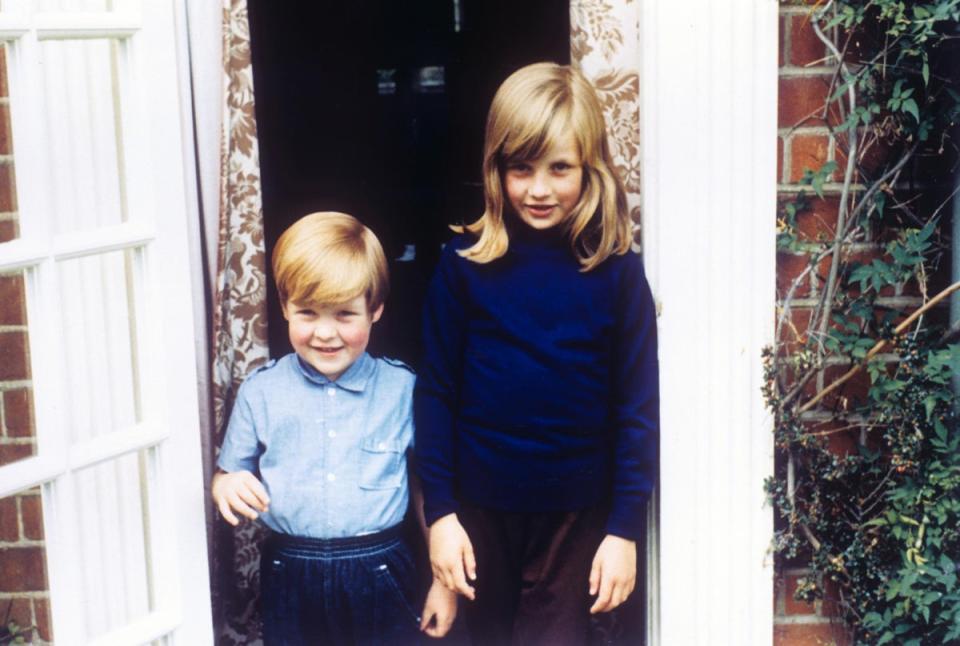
(533,109)
(328,257)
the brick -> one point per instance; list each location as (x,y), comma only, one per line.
(807,152)
(819,220)
(19,611)
(14,362)
(22,569)
(4,91)
(31,514)
(8,188)
(12,310)
(780,177)
(792,606)
(9,230)
(805,48)
(827,634)
(6,143)
(831,606)
(41,610)
(9,525)
(789,267)
(18,412)
(842,438)
(10,453)
(851,393)
(801,100)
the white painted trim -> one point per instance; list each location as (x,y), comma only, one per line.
(709,105)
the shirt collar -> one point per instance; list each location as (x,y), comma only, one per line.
(354,378)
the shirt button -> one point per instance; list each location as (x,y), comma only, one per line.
(331,391)
(332,433)
(331,477)
(381,446)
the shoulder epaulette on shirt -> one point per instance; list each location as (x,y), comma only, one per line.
(269,364)
(399,364)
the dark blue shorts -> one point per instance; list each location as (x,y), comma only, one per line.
(359,590)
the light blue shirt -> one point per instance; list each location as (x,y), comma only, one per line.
(330,453)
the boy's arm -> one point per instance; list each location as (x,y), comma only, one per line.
(234,488)
(439,610)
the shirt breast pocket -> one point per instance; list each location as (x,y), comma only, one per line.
(383,464)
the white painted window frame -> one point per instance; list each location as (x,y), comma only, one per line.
(169,434)
(708,136)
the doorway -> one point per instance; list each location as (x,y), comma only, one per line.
(377,108)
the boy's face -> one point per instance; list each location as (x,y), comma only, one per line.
(331,337)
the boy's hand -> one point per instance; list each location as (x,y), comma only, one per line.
(614,573)
(451,555)
(239,492)
(439,611)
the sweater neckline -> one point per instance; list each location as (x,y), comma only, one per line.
(523,236)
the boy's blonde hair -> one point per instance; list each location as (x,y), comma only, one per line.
(533,109)
(330,257)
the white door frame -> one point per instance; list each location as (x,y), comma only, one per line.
(165,433)
(708,135)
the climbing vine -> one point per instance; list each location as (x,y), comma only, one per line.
(861,379)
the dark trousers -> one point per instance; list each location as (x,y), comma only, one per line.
(359,590)
(532,576)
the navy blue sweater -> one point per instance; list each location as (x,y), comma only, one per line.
(539,389)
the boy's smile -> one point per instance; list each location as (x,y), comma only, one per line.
(331,337)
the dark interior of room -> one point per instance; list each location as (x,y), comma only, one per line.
(377,108)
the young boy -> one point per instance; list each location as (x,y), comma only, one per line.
(316,449)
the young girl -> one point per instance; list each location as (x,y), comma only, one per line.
(537,407)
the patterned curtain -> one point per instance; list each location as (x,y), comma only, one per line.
(239,315)
(605,46)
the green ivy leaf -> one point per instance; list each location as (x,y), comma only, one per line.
(910,106)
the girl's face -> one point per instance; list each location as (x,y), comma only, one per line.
(543,191)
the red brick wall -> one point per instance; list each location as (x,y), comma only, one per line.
(24,598)
(804,142)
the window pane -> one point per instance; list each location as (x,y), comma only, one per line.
(73,5)
(111,546)
(96,336)
(24,592)
(17,433)
(83,125)
(9,226)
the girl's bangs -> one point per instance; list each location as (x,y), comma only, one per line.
(535,129)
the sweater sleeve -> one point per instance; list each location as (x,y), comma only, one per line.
(437,388)
(637,402)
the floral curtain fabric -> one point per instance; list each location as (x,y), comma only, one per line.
(239,314)
(605,45)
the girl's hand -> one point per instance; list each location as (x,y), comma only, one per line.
(614,573)
(451,555)
(239,492)
(439,611)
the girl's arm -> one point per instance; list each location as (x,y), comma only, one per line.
(436,390)
(435,396)
(614,569)
(637,403)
